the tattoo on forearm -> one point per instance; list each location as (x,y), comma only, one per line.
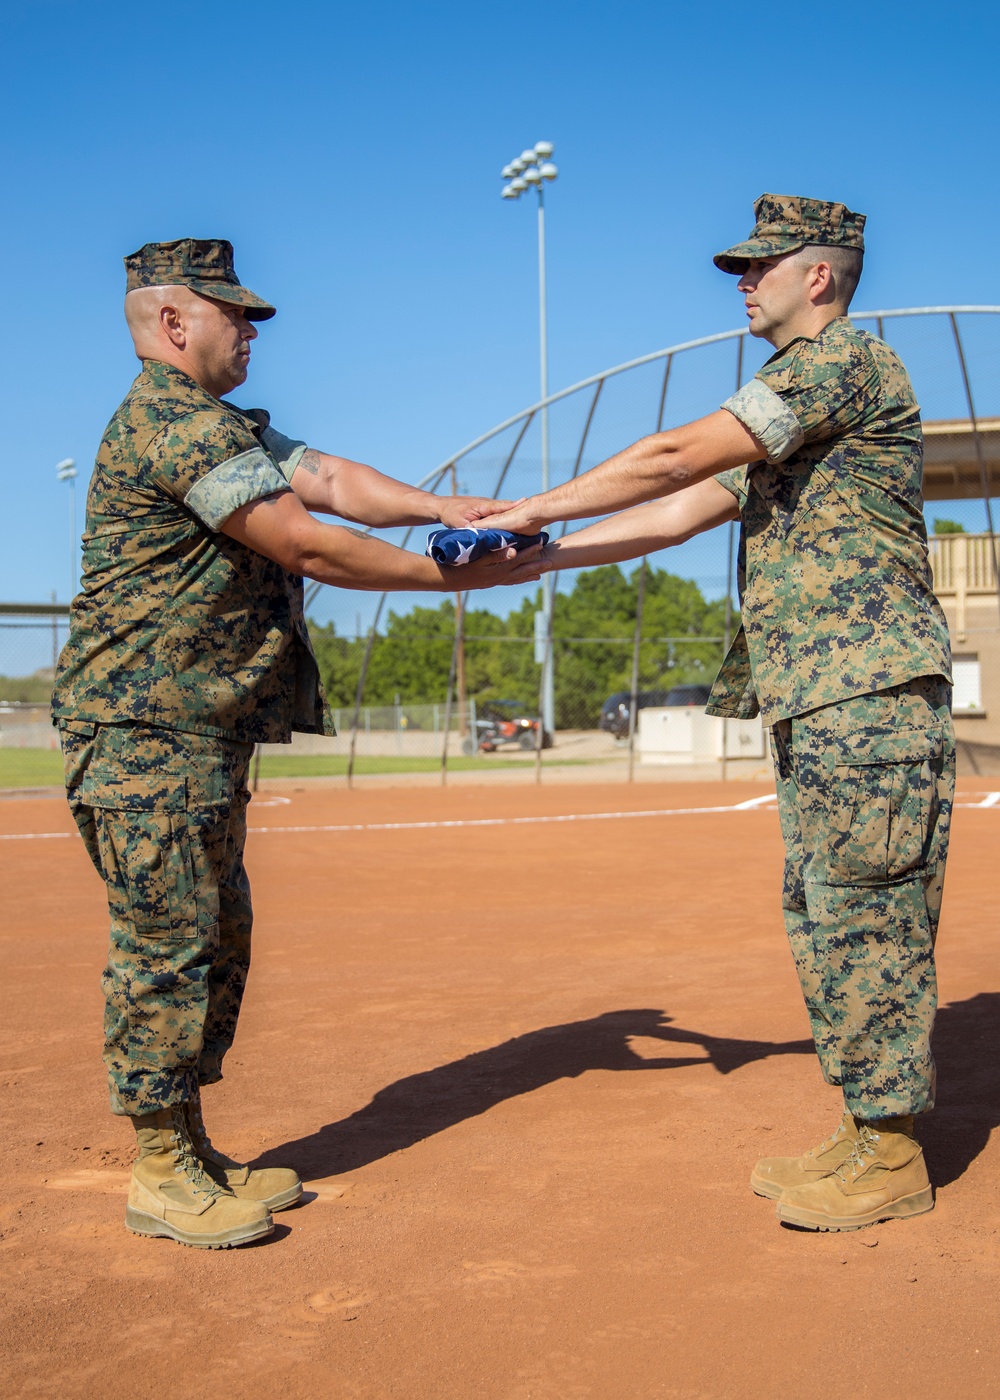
(361,534)
(309,461)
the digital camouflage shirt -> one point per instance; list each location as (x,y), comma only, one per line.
(835,577)
(177,624)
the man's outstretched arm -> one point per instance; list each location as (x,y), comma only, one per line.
(280,528)
(653,467)
(337,486)
(643,529)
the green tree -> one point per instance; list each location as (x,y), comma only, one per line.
(593,627)
(413,658)
(947,527)
(603,603)
(27,690)
(339,660)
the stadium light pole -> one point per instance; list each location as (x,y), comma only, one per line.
(66,471)
(531,169)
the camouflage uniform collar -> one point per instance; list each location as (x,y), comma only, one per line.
(839,323)
(257,419)
(164,376)
(160,375)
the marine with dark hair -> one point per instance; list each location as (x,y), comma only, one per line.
(844,653)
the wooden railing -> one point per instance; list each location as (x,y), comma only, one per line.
(963,568)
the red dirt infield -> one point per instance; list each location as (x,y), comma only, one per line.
(525,1068)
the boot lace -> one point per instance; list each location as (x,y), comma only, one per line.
(863,1148)
(833,1139)
(187,1163)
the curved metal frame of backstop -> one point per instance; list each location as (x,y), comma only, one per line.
(434,479)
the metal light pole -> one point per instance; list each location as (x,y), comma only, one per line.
(532,168)
(66,471)
(463,727)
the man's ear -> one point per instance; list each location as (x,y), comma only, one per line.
(172,325)
(822,288)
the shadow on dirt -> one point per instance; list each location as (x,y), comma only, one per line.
(966,1040)
(421,1105)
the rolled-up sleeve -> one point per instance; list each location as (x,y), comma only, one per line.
(213,464)
(232,484)
(771,421)
(810,392)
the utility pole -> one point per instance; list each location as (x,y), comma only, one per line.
(460,642)
(66,471)
(533,167)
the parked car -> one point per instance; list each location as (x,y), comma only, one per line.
(615,710)
(510,722)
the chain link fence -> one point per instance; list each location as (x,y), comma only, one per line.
(666,621)
(460,682)
(31,637)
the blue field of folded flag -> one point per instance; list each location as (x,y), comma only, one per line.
(464,546)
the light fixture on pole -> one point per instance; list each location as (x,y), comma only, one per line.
(531,169)
(66,471)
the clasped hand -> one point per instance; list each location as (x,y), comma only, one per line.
(519,516)
(502,566)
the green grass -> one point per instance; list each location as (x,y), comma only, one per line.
(26,690)
(43,767)
(30,767)
(274,765)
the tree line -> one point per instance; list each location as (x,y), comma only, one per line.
(593,627)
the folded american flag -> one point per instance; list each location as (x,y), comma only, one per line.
(463,546)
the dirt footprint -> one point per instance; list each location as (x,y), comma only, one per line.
(339,1300)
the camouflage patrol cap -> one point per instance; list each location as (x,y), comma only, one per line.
(203,264)
(787,222)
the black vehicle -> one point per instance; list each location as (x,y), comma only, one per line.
(615,710)
(500,722)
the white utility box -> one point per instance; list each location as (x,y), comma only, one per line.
(685,734)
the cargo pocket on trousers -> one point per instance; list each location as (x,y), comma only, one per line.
(887,781)
(146,845)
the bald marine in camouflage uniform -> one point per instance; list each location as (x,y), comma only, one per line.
(187,647)
(844,653)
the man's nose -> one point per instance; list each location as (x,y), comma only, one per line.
(249,329)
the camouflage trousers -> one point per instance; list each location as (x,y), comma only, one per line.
(163,817)
(865,790)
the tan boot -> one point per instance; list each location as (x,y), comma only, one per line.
(170,1194)
(772,1175)
(885,1178)
(277,1188)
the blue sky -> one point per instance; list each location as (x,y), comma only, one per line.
(353,156)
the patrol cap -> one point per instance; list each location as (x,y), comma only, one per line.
(203,264)
(787,222)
